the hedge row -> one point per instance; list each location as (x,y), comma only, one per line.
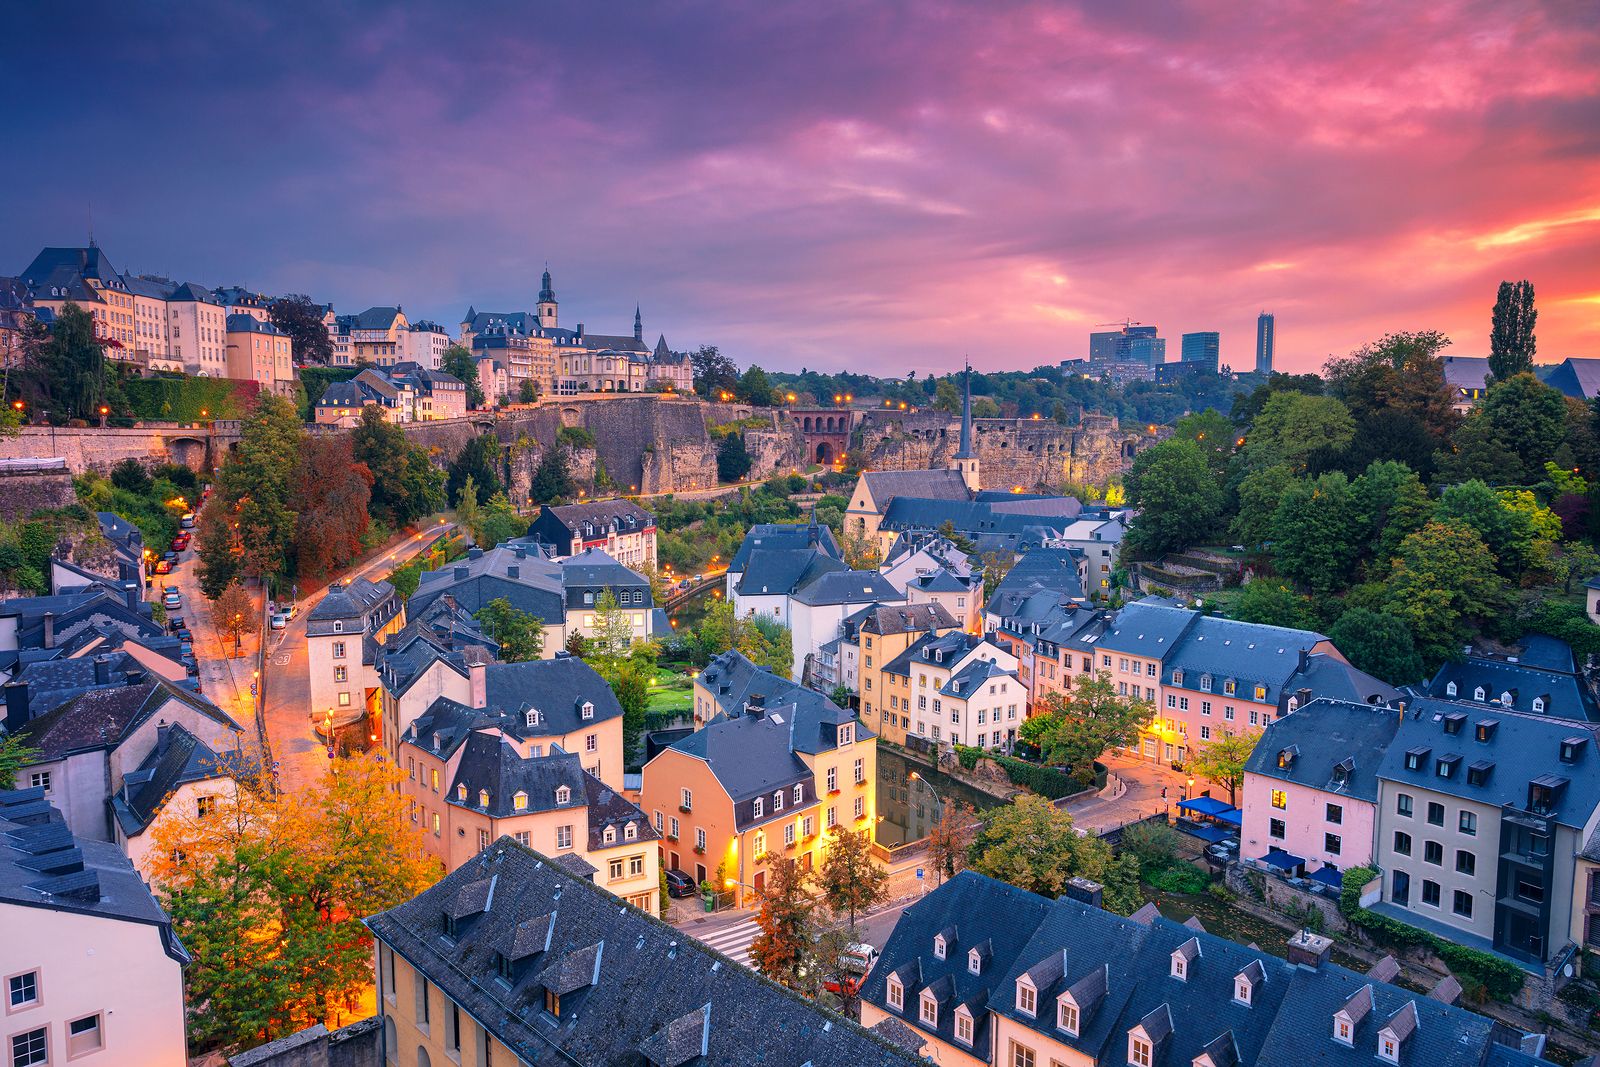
(1500,978)
(1046,781)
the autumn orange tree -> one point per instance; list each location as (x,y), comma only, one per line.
(784,920)
(267,892)
(850,880)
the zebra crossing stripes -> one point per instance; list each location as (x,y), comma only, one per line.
(732,941)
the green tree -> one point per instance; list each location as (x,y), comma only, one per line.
(405,485)
(258,486)
(764,641)
(1511,339)
(1260,491)
(1213,433)
(1223,758)
(951,837)
(215,546)
(754,387)
(714,373)
(1510,533)
(1443,579)
(234,613)
(1075,730)
(1393,504)
(519,634)
(527,391)
(1523,419)
(66,373)
(301,318)
(1295,429)
(14,755)
(947,397)
(459,363)
(1316,533)
(1273,604)
(480,460)
(131,475)
(733,461)
(849,879)
(552,480)
(1379,644)
(1031,844)
(1577,560)
(613,630)
(1392,384)
(783,919)
(498,522)
(1178,498)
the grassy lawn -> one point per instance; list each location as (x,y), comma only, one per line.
(671,691)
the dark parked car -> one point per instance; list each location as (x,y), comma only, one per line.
(174,623)
(679,884)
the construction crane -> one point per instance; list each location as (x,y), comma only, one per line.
(1126,324)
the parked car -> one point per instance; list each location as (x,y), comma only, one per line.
(186,648)
(279,620)
(172,601)
(183,634)
(174,624)
(180,542)
(856,961)
(170,589)
(679,884)
(187,522)
(164,567)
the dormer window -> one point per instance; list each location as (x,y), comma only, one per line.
(1572,748)
(1241,990)
(1417,758)
(938,946)
(483,798)
(1067,1016)
(532,717)
(1342,1032)
(1445,766)
(1479,693)
(1229,688)
(1027,998)
(1244,983)
(974,962)
(1138,1051)
(1180,968)
(1486,728)
(588,710)
(758,807)
(1538,705)
(928,1010)
(895,993)
(461,792)
(1177,677)
(1388,1048)
(847,734)
(630,832)
(1205,683)
(964,1025)
(609,835)
(563,794)
(1453,722)
(1450,690)
(338,626)
(519,801)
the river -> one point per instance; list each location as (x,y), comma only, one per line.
(908,809)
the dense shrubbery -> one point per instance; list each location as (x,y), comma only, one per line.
(1046,781)
(182,399)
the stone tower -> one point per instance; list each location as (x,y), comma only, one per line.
(966,458)
(547,302)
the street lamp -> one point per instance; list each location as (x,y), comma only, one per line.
(237,619)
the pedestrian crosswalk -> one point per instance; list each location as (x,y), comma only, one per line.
(732,941)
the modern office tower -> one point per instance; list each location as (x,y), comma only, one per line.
(1203,347)
(1131,344)
(1266,340)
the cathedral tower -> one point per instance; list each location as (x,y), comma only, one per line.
(966,459)
(547,302)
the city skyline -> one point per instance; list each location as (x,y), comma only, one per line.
(839,189)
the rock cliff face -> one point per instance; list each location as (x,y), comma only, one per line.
(645,444)
(1033,454)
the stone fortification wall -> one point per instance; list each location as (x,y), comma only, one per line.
(26,487)
(93,448)
(1033,454)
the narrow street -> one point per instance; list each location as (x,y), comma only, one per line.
(297,752)
(225,673)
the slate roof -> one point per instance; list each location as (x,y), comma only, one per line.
(965,682)
(1563,693)
(899,618)
(1120,971)
(1466,372)
(1147,628)
(475,581)
(944,580)
(53,682)
(781,571)
(936,545)
(180,759)
(43,866)
(376,318)
(103,718)
(1579,378)
(62,267)
(1329,734)
(556,687)
(633,983)
(952,646)
(732,679)
(885,486)
(1327,675)
(352,601)
(1521,748)
(846,587)
(991,526)
(784,535)
(560,524)
(242,323)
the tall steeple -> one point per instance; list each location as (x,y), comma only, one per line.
(638,325)
(965,459)
(547,300)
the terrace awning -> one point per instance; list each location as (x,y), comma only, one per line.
(1286,861)
(1328,877)
(1211,807)
(1209,834)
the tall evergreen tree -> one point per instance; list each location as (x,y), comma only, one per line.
(1511,339)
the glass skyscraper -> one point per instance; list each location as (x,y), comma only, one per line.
(1203,347)
(1266,341)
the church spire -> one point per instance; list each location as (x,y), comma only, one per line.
(966,460)
(638,325)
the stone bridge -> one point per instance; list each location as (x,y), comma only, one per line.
(199,446)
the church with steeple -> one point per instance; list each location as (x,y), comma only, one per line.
(965,461)
(519,346)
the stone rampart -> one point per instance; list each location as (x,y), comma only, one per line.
(27,486)
(97,449)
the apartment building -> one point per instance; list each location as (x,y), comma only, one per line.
(96,748)
(774,775)
(871,638)
(435,394)
(425,343)
(85,278)
(928,568)
(343,634)
(541,704)
(986,974)
(953,688)
(1481,815)
(378,336)
(92,969)
(181,776)
(511,959)
(620,528)
(1310,793)
(473,777)
(260,352)
(1540,676)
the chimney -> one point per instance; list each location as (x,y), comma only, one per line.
(130,595)
(163,736)
(49,629)
(1309,950)
(16,706)
(1085,891)
(102,670)
(474,552)
(522,553)
(513,572)
(756,706)
(1305,658)
(478,683)
(461,574)
(1302,697)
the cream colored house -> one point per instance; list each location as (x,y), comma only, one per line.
(181,776)
(260,352)
(342,637)
(92,972)
(473,776)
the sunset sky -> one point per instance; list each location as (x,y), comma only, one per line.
(870,186)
